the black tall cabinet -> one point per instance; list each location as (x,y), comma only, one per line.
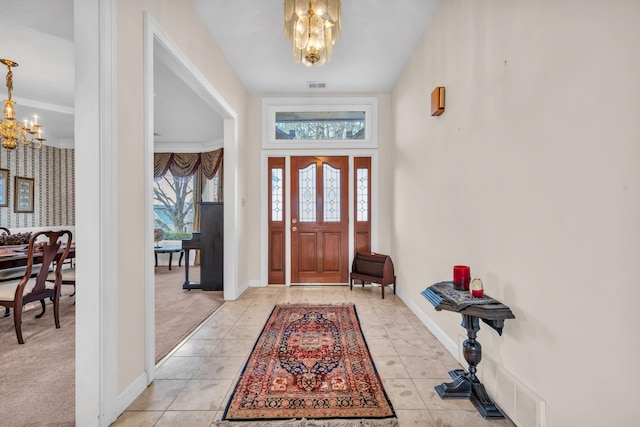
(212,245)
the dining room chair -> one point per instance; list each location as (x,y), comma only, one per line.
(68,276)
(5,231)
(44,248)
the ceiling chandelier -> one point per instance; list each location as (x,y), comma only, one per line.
(11,130)
(312,26)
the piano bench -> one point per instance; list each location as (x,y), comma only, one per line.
(169,250)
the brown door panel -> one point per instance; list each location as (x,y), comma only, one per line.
(323,258)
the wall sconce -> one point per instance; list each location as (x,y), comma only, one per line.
(437,101)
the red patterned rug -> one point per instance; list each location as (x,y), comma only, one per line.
(311,362)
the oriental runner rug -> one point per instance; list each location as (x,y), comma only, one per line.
(310,366)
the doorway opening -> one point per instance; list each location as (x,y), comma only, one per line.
(159,46)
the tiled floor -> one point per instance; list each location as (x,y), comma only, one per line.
(193,385)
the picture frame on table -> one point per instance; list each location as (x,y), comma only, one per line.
(4,187)
(23,195)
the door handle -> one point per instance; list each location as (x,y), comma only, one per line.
(294,221)
(294,228)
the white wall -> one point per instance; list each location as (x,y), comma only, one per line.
(179,21)
(530,177)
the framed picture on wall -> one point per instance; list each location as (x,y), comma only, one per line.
(4,187)
(23,195)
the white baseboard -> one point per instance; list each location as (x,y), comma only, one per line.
(246,285)
(444,339)
(257,284)
(127,397)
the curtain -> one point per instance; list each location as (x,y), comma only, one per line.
(201,166)
(187,164)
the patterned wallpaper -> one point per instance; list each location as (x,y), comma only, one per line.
(54,188)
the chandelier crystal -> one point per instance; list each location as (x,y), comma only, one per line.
(12,131)
(312,26)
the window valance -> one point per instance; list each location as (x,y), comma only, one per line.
(186,164)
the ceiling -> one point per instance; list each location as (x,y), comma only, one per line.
(377,40)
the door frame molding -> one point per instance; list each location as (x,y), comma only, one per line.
(264,213)
(181,64)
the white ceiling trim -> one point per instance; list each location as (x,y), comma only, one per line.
(187,147)
(44,105)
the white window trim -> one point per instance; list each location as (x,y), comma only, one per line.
(271,106)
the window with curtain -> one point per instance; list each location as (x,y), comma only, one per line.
(182,181)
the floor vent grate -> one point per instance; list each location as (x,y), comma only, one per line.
(317,85)
(523,406)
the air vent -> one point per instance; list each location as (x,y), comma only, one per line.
(517,401)
(317,85)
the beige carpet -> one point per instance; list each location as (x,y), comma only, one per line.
(178,311)
(43,369)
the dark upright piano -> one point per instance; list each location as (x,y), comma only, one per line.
(210,242)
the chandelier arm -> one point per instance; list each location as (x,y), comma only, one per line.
(12,131)
(9,82)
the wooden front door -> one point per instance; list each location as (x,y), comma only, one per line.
(319,219)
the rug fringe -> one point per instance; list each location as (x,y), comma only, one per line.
(386,422)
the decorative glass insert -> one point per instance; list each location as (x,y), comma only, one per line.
(320,125)
(331,183)
(307,193)
(362,194)
(276,194)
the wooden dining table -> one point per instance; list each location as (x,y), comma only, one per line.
(18,257)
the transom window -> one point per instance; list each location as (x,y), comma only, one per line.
(320,125)
(324,123)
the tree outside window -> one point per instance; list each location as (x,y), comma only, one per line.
(173,206)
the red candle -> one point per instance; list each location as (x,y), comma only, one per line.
(461,277)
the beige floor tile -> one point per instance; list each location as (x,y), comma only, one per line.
(363,308)
(431,398)
(219,367)
(226,318)
(311,295)
(402,393)
(158,396)
(447,359)
(178,368)
(236,307)
(415,347)
(425,367)
(387,308)
(402,331)
(234,347)
(245,332)
(416,417)
(470,418)
(212,331)
(201,395)
(137,419)
(390,367)
(186,418)
(375,331)
(255,316)
(218,416)
(195,347)
(370,320)
(381,347)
